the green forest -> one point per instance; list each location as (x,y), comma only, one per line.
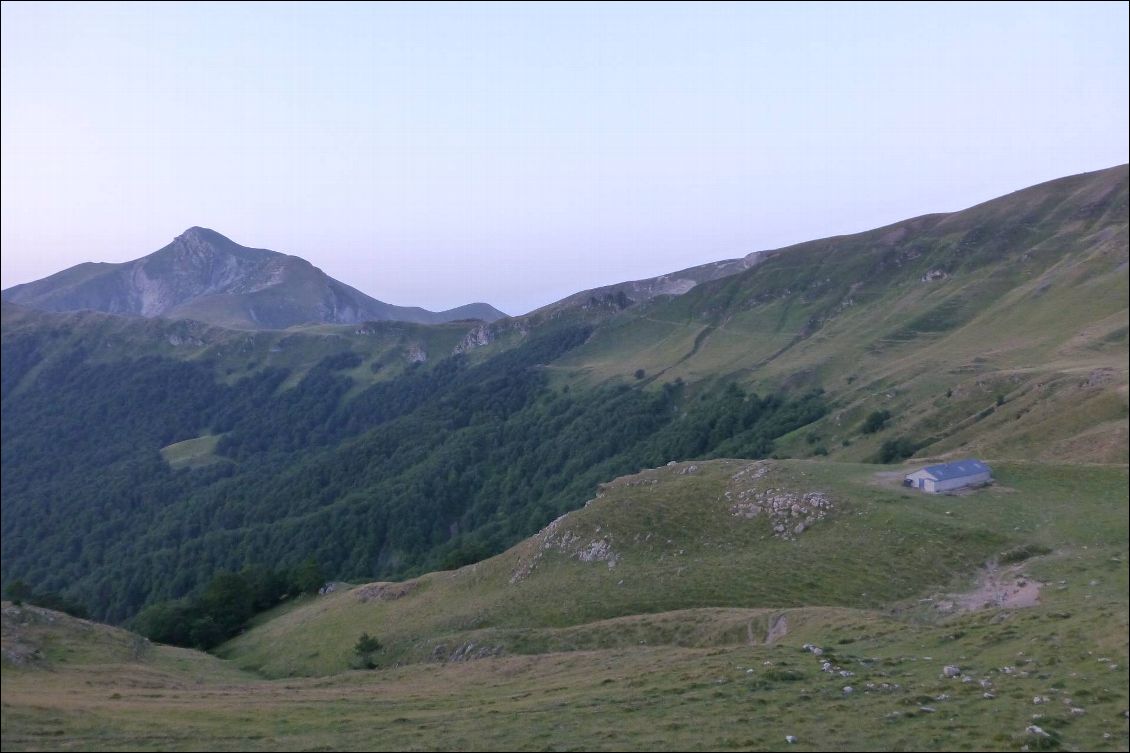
(438,467)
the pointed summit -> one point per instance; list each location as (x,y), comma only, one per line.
(199,238)
(196,231)
(203,235)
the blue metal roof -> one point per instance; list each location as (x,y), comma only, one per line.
(957,469)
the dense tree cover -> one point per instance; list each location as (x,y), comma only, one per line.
(20,592)
(438,467)
(225,605)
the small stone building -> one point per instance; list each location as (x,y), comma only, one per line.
(949,476)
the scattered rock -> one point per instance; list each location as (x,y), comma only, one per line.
(1099,377)
(951,671)
(384,591)
(1032,729)
(554,538)
(598,551)
(177,340)
(466,652)
(790,739)
(790,512)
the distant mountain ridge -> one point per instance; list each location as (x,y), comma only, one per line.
(673,283)
(205,276)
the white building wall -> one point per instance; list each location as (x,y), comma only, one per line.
(957,483)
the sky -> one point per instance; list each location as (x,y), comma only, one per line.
(438,154)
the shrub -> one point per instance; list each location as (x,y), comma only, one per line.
(1021,553)
(876,421)
(366,646)
(894,450)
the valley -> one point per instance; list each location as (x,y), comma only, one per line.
(667,521)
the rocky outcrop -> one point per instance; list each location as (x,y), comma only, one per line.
(476,338)
(488,332)
(384,591)
(752,493)
(556,537)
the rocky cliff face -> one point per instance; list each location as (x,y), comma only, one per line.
(204,275)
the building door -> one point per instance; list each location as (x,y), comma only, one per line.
(921,483)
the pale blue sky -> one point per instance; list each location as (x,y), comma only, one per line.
(438,154)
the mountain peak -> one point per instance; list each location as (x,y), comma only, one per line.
(202,235)
(207,276)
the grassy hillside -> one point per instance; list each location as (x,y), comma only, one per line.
(677,538)
(643,698)
(542,648)
(38,642)
(1023,297)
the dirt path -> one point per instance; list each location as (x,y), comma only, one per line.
(997,588)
